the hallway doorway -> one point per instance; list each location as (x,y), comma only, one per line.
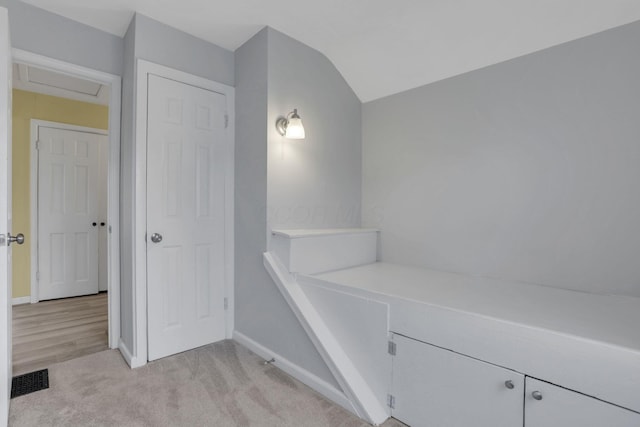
(66,196)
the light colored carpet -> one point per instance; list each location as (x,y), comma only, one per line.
(222,384)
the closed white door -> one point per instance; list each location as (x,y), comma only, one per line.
(5,217)
(68,212)
(186,144)
(547,405)
(437,387)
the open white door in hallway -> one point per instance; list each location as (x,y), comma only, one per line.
(103,210)
(185,216)
(69,218)
(5,217)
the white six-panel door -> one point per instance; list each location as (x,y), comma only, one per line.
(68,212)
(186,139)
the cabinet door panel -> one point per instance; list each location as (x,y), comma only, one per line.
(559,407)
(437,387)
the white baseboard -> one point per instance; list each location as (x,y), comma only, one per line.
(131,360)
(136,362)
(302,375)
(21,300)
(124,351)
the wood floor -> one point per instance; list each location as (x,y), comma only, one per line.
(58,330)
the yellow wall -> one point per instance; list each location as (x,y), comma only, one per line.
(27,106)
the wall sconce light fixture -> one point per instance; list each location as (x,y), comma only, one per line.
(290,126)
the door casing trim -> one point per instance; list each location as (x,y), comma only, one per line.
(6,371)
(143,69)
(114,83)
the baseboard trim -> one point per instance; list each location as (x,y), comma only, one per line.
(124,351)
(302,375)
(21,300)
(131,360)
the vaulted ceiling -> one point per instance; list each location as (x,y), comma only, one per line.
(380,47)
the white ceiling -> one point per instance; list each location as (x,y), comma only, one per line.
(380,47)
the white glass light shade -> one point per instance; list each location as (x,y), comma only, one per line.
(295,130)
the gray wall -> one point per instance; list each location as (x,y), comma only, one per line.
(526,170)
(38,31)
(159,43)
(315,182)
(251,183)
(127,185)
(275,74)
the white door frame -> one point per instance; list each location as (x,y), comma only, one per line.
(144,68)
(5,214)
(33,176)
(113,186)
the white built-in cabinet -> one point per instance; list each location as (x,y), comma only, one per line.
(555,406)
(506,336)
(432,386)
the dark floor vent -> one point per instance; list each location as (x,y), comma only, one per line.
(28,383)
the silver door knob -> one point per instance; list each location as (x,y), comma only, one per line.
(18,238)
(509,384)
(156,237)
(536,395)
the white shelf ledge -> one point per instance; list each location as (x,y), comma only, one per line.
(299,233)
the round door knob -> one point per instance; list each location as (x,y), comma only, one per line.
(536,395)
(156,237)
(18,238)
(94,223)
(509,384)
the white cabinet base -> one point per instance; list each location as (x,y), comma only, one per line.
(559,407)
(437,387)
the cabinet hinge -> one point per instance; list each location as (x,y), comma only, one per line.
(37,144)
(37,276)
(391,401)
(226,121)
(226,303)
(392,348)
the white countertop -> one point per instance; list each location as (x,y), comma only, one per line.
(589,343)
(607,319)
(299,233)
